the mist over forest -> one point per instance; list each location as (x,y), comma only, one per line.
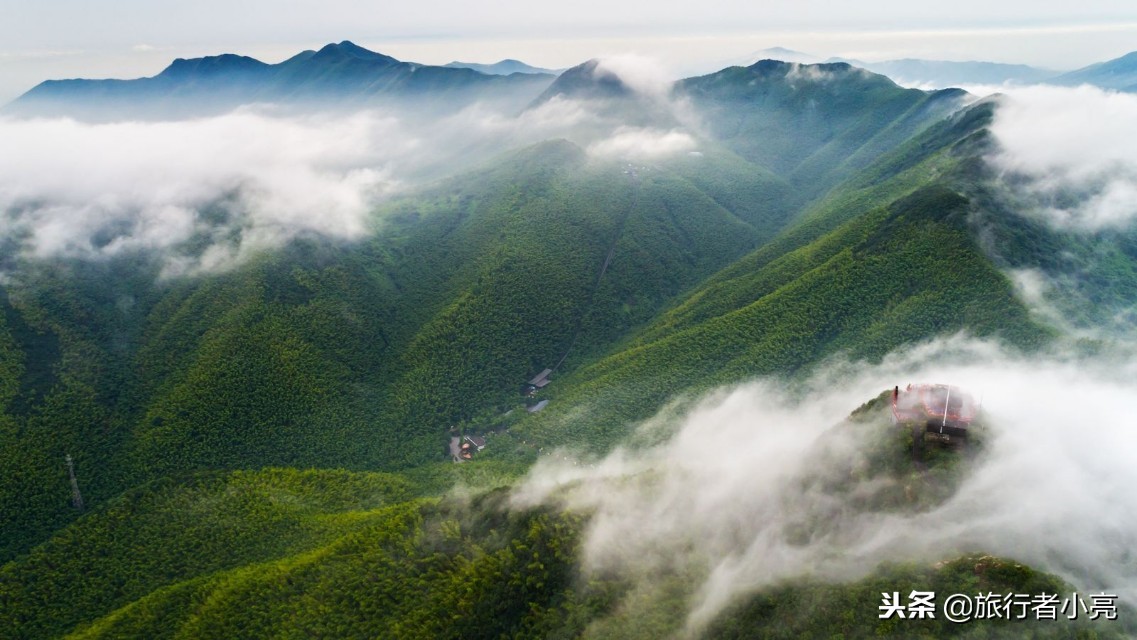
(350,346)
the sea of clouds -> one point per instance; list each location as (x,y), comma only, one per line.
(257,177)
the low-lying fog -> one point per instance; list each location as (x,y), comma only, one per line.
(1052,488)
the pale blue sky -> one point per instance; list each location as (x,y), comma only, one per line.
(130,38)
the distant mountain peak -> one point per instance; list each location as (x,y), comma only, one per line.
(1118,73)
(950,73)
(501,68)
(1127,61)
(348,49)
(211,65)
(589,80)
(592,73)
(786,55)
(336,75)
(771,53)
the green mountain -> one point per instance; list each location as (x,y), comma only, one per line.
(812,124)
(589,81)
(364,355)
(264,451)
(331,553)
(883,260)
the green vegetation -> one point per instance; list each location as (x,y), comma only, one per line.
(359,356)
(814,125)
(1091,277)
(281,552)
(287,552)
(813,609)
(886,278)
(891,468)
(829,214)
(168,531)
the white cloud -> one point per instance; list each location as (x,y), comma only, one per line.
(76,189)
(261,176)
(810,73)
(642,143)
(643,74)
(1074,147)
(730,491)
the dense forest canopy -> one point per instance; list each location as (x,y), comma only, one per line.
(235,378)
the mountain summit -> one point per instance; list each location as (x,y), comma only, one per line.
(588,81)
(213,66)
(348,49)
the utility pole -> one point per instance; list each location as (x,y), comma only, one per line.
(76,497)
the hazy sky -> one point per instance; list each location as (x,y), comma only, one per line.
(130,38)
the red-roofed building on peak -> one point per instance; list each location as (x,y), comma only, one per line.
(943,409)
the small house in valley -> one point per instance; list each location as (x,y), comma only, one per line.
(538,382)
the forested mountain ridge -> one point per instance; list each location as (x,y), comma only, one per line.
(313,355)
(258,554)
(813,124)
(364,354)
(753,222)
(883,260)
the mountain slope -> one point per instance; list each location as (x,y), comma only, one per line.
(360,355)
(363,355)
(866,272)
(1119,73)
(812,124)
(811,212)
(329,553)
(945,73)
(587,81)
